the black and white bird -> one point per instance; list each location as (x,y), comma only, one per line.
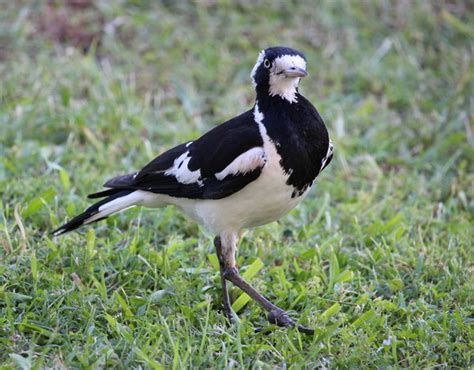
(246,172)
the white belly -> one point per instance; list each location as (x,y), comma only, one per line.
(262,201)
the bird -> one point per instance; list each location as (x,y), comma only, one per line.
(246,172)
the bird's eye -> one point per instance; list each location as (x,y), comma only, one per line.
(266,63)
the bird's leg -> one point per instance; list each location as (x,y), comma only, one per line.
(276,315)
(225,292)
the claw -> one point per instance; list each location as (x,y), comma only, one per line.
(305,330)
(282,319)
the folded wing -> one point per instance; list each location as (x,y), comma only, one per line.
(218,164)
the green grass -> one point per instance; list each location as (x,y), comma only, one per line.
(378,258)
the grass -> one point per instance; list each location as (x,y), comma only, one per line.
(378,258)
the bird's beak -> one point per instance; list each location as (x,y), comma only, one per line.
(295,72)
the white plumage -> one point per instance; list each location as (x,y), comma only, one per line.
(181,171)
(244,163)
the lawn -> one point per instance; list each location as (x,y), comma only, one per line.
(377,259)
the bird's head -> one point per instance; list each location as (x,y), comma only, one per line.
(278,72)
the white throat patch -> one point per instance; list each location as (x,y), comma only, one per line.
(280,84)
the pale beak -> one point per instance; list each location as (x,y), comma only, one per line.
(295,72)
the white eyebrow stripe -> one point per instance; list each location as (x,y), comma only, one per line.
(244,163)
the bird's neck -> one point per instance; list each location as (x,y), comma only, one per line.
(285,89)
(267,101)
(278,115)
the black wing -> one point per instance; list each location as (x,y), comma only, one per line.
(218,164)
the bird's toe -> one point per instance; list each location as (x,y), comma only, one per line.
(280,318)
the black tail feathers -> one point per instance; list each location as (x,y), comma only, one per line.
(93,210)
(105,193)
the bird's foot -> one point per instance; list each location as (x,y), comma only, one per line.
(281,318)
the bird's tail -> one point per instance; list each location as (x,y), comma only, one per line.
(116,201)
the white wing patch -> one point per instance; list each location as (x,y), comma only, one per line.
(244,163)
(181,171)
(328,155)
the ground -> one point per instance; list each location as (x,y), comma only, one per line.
(378,258)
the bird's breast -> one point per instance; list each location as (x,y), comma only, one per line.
(262,201)
(301,142)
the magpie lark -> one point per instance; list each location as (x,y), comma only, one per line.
(246,172)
